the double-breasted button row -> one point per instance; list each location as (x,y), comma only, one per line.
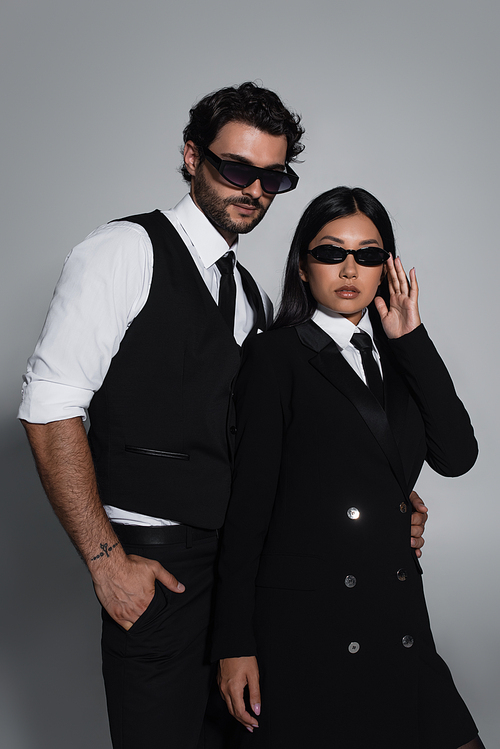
(407,642)
(353,513)
(350,581)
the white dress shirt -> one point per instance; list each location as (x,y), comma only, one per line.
(103,286)
(341,330)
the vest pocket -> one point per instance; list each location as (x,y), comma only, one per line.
(155,453)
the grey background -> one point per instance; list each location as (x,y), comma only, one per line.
(398,97)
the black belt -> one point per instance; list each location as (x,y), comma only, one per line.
(160,535)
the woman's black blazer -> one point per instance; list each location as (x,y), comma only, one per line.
(317,576)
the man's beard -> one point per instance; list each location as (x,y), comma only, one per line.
(215,208)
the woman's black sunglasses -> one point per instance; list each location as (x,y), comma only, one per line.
(243,175)
(331,254)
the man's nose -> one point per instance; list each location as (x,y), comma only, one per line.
(254,190)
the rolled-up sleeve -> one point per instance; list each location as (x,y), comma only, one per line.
(103,286)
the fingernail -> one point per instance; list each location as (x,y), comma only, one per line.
(256,708)
(249,729)
(181,588)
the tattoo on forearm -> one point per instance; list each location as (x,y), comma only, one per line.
(105,551)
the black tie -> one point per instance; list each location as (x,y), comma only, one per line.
(227,288)
(363,343)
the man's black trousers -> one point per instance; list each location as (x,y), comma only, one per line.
(157,675)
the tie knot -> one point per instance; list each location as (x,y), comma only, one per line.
(226,264)
(362,341)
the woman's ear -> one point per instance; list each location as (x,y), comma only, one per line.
(302,271)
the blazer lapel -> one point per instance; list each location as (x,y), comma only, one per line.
(332,365)
(395,393)
(395,390)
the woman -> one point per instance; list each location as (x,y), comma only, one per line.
(327,456)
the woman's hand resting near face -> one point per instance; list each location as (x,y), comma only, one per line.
(402,316)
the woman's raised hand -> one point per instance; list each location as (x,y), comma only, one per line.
(402,316)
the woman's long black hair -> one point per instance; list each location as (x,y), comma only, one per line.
(297,303)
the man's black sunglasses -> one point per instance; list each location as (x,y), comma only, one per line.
(243,175)
(331,254)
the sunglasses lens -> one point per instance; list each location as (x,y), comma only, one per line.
(242,175)
(371,256)
(275,182)
(328,254)
(237,174)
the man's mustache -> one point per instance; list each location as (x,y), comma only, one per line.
(255,203)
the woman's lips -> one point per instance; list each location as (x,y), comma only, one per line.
(347,292)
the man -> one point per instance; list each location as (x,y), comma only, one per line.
(144,329)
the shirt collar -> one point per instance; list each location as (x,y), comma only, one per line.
(339,327)
(209,244)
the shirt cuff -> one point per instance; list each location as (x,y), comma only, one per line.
(43,402)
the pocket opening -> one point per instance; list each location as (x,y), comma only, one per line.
(155,453)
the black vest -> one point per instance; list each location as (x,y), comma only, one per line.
(162,424)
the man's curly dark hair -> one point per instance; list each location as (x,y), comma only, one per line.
(247,103)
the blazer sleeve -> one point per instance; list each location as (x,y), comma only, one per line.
(451,446)
(256,474)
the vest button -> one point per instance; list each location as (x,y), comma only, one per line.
(403,507)
(233,430)
(353,513)
(350,581)
(407,641)
(402,574)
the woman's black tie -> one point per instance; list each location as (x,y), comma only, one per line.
(363,343)
(227,288)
